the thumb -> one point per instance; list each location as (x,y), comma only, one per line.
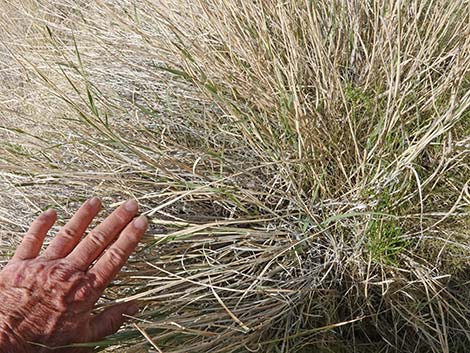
(111,319)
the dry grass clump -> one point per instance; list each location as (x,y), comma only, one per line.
(305,164)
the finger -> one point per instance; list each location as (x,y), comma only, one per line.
(69,235)
(100,237)
(31,244)
(110,320)
(116,256)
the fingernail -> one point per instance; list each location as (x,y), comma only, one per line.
(141,222)
(131,206)
(50,212)
(94,202)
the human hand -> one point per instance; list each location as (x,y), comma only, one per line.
(48,299)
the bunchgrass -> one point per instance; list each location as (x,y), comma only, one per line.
(305,164)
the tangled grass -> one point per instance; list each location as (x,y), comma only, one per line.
(305,164)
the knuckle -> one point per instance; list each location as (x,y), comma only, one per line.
(98,237)
(83,292)
(30,239)
(68,233)
(122,216)
(116,255)
(59,272)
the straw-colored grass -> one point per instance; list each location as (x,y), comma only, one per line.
(305,164)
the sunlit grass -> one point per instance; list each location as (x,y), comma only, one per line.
(305,165)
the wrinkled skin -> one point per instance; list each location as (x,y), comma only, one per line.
(47,300)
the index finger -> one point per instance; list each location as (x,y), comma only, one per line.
(70,234)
